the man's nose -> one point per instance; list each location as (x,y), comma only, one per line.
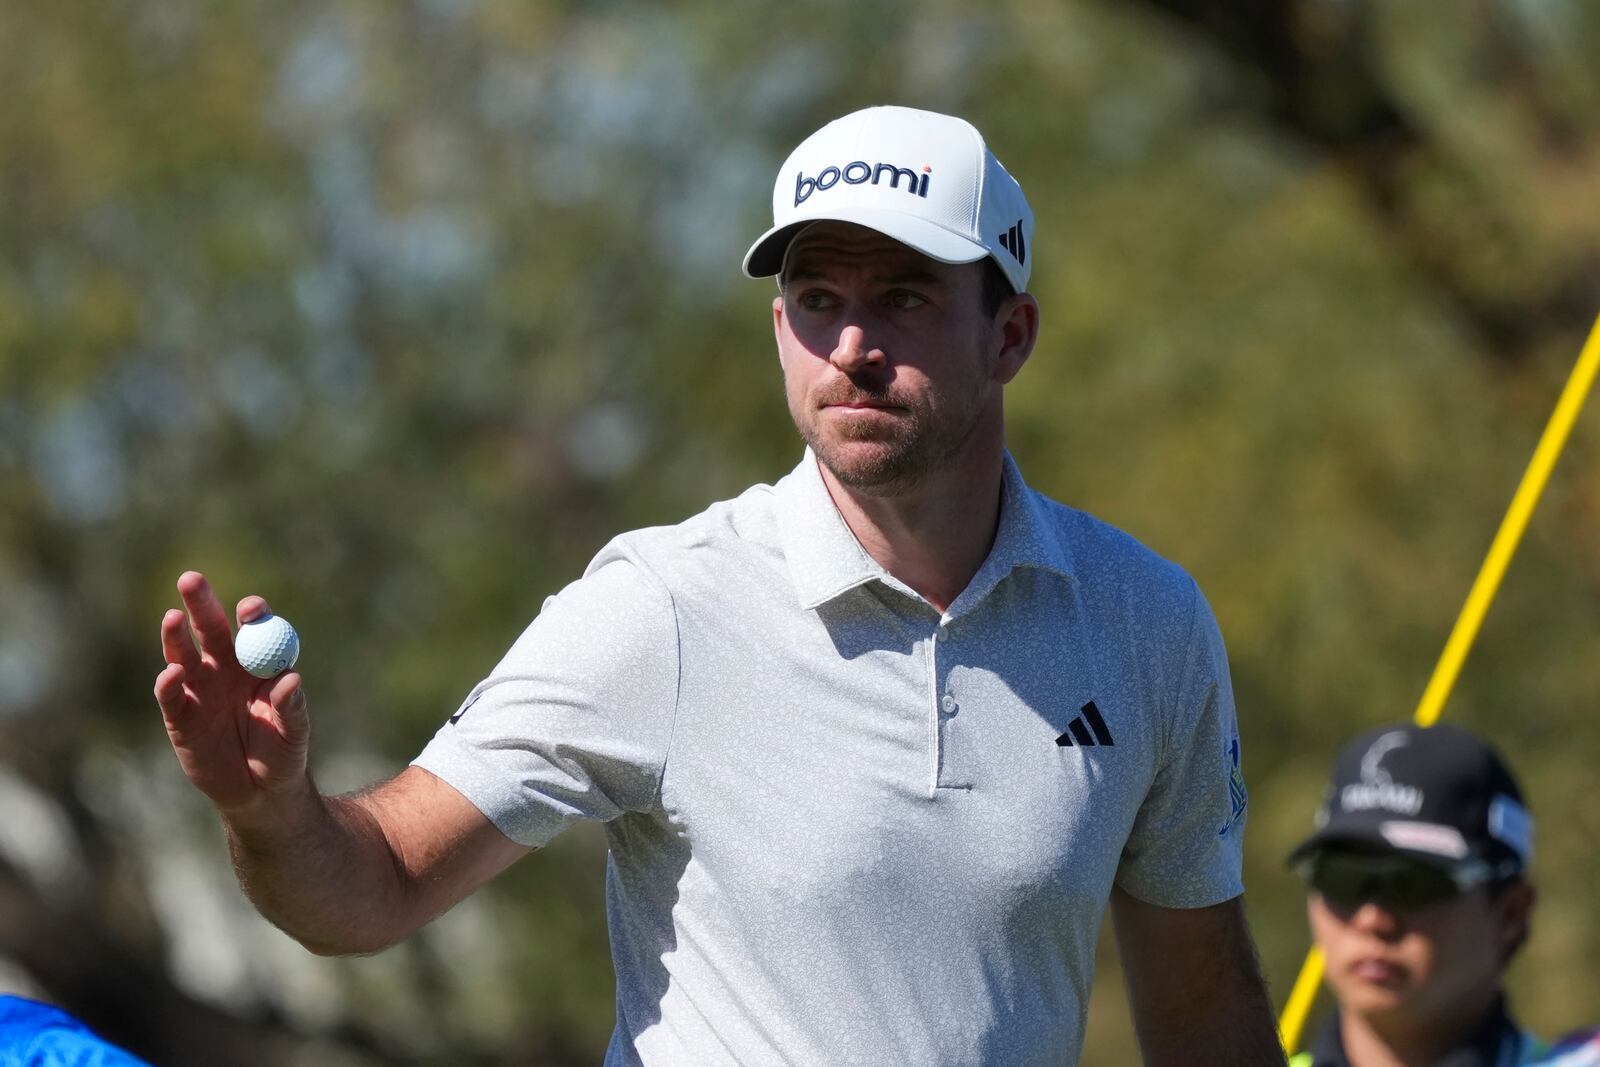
(1375,918)
(853,352)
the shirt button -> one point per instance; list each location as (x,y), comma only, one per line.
(941,634)
(948,704)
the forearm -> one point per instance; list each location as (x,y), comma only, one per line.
(321,869)
(1225,1020)
(1194,985)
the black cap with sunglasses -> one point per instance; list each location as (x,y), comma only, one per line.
(1415,815)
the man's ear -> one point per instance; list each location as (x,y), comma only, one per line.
(1016,329)
(777,321)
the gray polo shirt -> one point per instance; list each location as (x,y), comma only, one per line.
(845,828)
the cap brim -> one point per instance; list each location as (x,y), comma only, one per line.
(1348,839)
(765,257)
(1371,837)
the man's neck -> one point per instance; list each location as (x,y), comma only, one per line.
(936,536)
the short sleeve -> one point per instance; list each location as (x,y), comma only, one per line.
(574,723)
(1186,846)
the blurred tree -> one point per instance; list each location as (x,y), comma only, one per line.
(1452,123)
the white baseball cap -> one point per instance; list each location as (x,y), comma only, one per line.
(927,180)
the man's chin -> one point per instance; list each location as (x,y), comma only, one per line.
(1374,1001)
(877,468)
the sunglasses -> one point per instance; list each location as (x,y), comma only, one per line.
(1347,881)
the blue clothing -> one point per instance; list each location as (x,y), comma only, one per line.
(38,1035)
(1581,1048)
(1499,1042)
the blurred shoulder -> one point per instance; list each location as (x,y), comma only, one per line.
(1580,1048)
(42,1035)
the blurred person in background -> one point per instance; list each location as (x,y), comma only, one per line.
(1420,898)
(41,1035)
(876,748)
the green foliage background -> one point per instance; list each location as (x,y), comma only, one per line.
(394,313)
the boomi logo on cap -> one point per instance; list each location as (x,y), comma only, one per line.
(860,172)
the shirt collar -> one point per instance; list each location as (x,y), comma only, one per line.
(826,560)
(1497,1042)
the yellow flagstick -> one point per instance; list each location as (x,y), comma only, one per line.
(1301,997)
(1468,622)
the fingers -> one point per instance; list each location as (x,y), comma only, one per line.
(177,645)
(250,609)
(288,699)
(206,615)
(169,690)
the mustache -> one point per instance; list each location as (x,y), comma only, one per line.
(845,391)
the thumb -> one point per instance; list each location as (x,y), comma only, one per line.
(288,697)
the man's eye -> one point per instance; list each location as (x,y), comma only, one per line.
(904,298)
(815,300)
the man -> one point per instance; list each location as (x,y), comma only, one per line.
(1419,900)
(874,746)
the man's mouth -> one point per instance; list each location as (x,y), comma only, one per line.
(1376,970)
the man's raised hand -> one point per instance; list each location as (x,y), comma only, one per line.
(240,739)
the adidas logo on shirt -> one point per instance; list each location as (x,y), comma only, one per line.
(1078,730)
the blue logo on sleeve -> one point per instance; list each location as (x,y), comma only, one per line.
(1238,798)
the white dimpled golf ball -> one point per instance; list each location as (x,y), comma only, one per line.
(267,646)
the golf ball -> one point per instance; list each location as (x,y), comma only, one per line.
(266,647)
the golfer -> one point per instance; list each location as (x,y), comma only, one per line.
(874,746)
(1419,899)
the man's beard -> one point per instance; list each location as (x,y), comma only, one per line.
(901,456)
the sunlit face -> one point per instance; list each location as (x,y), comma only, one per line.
(889,359)
(1420,964)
